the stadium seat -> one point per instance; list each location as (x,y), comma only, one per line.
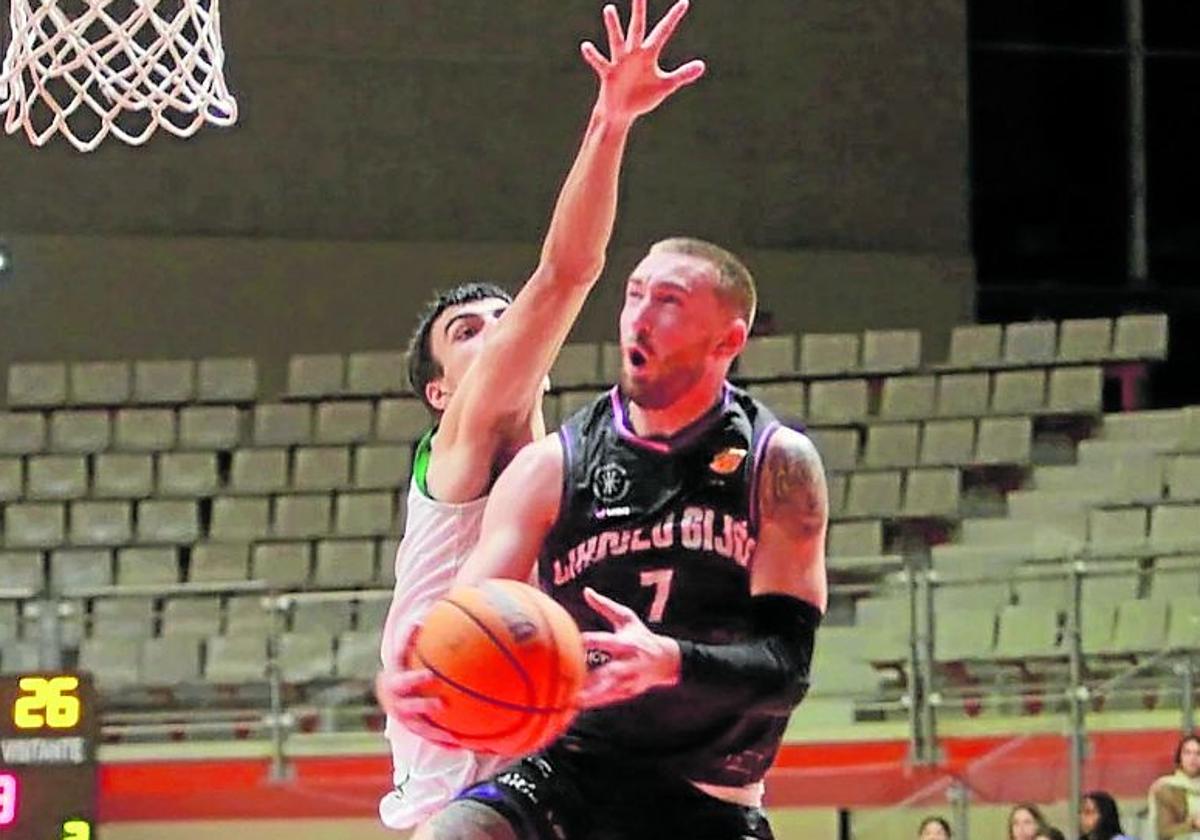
(195,616)
(376,374)
(187,474)
(145,429)
(22,570)
(79,431)
(100,383)
(316,375)
(401,420)
(22,434)
(1164,429)
(932,492)
(259,471)
(1175,577)
(1019,392)
(836,486)
(345,563)
(1030,342)
(1028,631)
(12,479)
(219,561)
(785,399)
(297,517)
(242,518)
(147,566)
(233,380)
(175,522)
(964,635)
(387,549)
(123,476)
(344,422)
(57,477)
(236,659)
(122,618)
(282,424)
(371,615)
(1183,629)
(1085,340)
(1116,531)
(322,467)
(962,395)
(34,525)
(164,382)
(611,362)
(80,568)
(836,676)
(380,466)
(823,354)
(908,397)
(10,622)
(20,657)
(767,356)
(571,402)
(975,345)
(1113,583)
(170,661)
(1098,627)
(113,663)
(1140,337)
(874,494)
(304,657)
(101,523)
(1175,527)
(838,401)
(358,654)
(1076,390)
(285,564)
(330,617)
(248,614)
(1141,626)
(209,427)
(1062,511)
(365,514)
(856,539)
(947,442)
(891,351)
(838,448)
(892,445)
(577,366)
(37,385)
(1183,478)
(885,625)
(1004,440)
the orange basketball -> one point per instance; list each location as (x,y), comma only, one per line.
(509,662)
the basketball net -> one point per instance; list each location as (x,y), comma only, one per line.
(89,68)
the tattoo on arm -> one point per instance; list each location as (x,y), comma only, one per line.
(467,820)
(792,490)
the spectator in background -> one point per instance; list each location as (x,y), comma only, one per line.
(1099,818)
(1049,833)
(934,828)
(1025,821)
(1175,799)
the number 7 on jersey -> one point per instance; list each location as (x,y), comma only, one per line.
(660,579)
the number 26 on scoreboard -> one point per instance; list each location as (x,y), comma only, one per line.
(47,703)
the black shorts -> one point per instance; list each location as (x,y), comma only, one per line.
(559,794)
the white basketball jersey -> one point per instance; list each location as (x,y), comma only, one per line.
(437,539)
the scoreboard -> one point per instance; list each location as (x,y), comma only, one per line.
(49,728)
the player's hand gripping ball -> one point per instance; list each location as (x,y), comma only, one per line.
(507,664)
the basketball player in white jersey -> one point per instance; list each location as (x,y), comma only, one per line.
(479,361)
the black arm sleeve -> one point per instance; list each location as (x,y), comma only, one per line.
(767,674)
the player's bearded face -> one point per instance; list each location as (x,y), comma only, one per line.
(669,325)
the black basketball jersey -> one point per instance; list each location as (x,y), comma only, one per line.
(666,527)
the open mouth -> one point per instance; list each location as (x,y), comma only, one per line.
(637,358)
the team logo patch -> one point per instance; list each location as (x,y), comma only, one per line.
(610,483)
(727,461)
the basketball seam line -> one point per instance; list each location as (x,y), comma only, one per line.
(530,692)
(504,704)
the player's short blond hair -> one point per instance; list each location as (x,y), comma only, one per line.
(735,283)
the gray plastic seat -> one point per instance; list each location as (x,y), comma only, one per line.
(344,422)
(209,427)
(216,561)
(170,661)
(304,657)
(365,514)
(786,399)
(908,397)
(358,654)
(1028,631)
(892,445)
(193,616)
(22,570)
(164,382)
(259,471)
(81,567)
(282,424)
(237,659)
(838,448)
(401,420)
(101,523)
(962,395)
(768,356)
(1085,340)
(577,365)
(12,479)
(1019,391)
(248,614)
(112,662)
(298,517)
(316,375)
(240,519)
(345,563)
(381,467)
(975,345)
(1030,342)
(823,354)
(874,494)
(947,442)
(838,401)
(123,476)
(282,564)
(323,467)
(80,431)
(891,351)
(35,525)
(188,474)
(122,618)
(100,383)
(964,635)
(145,429)
(37,384)
(377,373)
(147,566)
(171,521)
(22,434)
(57,477)
(330,617)
(231,380)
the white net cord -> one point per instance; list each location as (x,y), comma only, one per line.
(89,68)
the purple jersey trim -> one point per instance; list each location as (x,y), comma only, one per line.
(683,438)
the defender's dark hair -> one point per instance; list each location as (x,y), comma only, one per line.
(422,366)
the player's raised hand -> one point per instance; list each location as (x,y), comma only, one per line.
(638,658)
(631,82)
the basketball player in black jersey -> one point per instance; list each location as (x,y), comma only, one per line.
(684,529)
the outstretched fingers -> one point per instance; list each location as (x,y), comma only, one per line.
(686,74)
(666,27)
(595,58)
(618,615)
(637,24)
(616,36)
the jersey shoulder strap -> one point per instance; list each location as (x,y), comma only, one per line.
(421,460)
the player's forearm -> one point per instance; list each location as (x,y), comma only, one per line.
(581,227)
(768,673)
